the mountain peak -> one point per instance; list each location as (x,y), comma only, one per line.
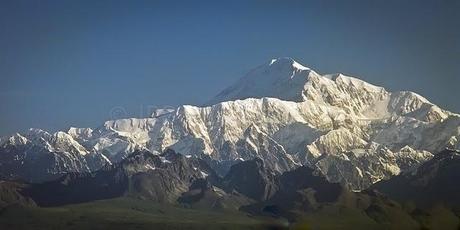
(282,78)
(17,139)
(287,62)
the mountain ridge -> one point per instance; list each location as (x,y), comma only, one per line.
(351,131)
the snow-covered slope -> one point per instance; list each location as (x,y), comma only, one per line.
(37,155)
(288,115)
(281,78)
(288,80)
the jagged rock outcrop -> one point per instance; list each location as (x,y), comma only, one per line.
(252,179)
(161,178)
(433,183)
(305,195)
(38,156)
(10,195)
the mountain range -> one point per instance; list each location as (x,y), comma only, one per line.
(283,113)
(424,199)
(283,148)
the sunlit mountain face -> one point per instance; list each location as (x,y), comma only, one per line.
(359,129)
(283,143)
(288,115)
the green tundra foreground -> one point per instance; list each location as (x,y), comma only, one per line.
(127,213)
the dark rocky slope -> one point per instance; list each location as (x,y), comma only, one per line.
(434,182)
(162,178)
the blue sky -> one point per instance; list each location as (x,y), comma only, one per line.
(73,63)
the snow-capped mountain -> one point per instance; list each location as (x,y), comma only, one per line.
(37,155)
(282,112)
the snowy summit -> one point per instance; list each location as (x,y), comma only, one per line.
(282,112)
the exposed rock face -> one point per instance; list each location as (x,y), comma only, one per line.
(10,195)
(287,115)
(161,178)
(302,192)
(434,182)
(304,189)
(203,194)
(252,179)
(299,195)
(39,156)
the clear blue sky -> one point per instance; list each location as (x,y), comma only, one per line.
(68,63)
